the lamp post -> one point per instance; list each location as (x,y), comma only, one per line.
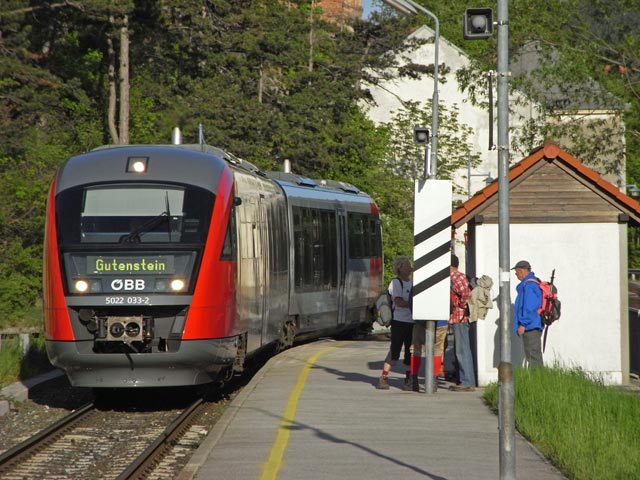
(408,6)
(430,172)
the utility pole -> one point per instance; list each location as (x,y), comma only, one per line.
(506,383)
(477,23)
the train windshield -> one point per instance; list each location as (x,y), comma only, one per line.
(134,214)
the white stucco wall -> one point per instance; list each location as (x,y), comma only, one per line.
(585,257)
(421,90)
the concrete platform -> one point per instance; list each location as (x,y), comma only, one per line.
(20,390)
(313,412)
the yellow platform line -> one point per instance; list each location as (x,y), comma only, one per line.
(272,466)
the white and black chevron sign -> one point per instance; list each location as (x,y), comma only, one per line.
(431,249)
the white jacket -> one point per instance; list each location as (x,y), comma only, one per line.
(480,301)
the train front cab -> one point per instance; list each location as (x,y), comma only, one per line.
(116,245)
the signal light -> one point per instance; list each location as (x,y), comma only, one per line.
(477,23)
(421,135)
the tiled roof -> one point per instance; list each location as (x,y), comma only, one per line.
(550,151)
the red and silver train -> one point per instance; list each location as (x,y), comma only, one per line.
(169,265)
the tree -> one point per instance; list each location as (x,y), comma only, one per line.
(241,69)
(587,53)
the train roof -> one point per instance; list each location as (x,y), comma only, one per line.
(199,165)
(299,180)
(108,163)
(304,191)
(204,148)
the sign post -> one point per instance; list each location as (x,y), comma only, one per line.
(431,262)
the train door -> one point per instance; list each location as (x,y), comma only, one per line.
(342,265)
(251,262)
(263,266)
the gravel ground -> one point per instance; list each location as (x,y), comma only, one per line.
(54,399)
(47,402)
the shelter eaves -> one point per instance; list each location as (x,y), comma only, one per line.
(551,186)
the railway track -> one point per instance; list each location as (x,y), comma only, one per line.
(91,443)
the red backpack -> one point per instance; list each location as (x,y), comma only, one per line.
(550,308)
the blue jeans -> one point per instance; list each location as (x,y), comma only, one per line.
(464,356)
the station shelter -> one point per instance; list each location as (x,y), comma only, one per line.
(563,217)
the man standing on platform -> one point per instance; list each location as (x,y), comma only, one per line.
(459,320)
(527,323)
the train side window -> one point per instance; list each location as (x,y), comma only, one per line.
(356,235)
(229,245)
(329,240)
(282,241)
(316,281)
(375,237)
(299,241)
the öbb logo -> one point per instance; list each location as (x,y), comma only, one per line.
(128,284)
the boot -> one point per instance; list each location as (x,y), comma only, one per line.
(438,370)
(383,383)
(415,386)
(407,381)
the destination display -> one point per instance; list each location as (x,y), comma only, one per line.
(149,265)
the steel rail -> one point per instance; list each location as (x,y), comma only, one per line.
(151,455)
(42,438)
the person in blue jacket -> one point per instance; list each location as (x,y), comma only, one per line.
(527,323)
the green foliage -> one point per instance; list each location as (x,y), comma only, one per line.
(16,365)
(454,142)
(268,81)
(586,429)
(588,61)
(20,269)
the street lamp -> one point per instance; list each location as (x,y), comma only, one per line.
(487,180)
(409,6)
(632,190)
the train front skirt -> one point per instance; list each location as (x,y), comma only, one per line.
(196,362)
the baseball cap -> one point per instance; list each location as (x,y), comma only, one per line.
(522,264)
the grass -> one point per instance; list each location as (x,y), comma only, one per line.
(14,364)
(586,429)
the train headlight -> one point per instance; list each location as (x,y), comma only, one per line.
(177,284)
(81,286)
(137,164)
